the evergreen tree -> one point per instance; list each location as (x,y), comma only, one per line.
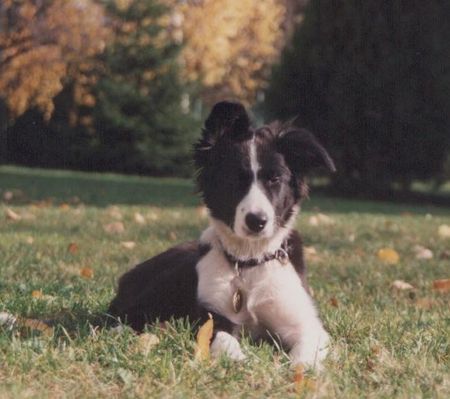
(139,120)
(372,79)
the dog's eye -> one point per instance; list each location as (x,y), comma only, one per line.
(274,180)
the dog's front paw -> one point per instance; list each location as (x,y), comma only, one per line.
(225,343)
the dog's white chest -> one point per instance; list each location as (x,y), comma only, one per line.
(267,291)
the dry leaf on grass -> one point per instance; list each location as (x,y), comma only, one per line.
(138,218)
(401,285)
(72,248)
(204,336)
(425,303)
(87,272)
(311,254)
(29,240)
(320,220)
(146,342)
(334,302)
(34,325)
(114,212)
(172,236)
(114,228)
(38,294)
(11,215)
(301,382)
(64,207)
(128,244)
(388,255)
(442,285)
(422,252)
(444,231)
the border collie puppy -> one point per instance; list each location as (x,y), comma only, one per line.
(247,269)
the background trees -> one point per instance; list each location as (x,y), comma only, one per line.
(372,79)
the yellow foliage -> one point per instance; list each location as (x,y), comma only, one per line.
(204,336)
(44,44)
(229,45)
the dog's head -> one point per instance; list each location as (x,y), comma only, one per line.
(252,179)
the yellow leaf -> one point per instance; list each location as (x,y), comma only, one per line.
(444,231)
(37,294)
(388,255)
(128,244)
(204,336)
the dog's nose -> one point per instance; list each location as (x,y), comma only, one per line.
(256,221)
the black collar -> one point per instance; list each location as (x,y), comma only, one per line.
(282,254)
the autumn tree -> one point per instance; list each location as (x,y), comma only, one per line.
(229,45)
(43,45)
(141,117)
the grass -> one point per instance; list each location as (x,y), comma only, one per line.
(385,343)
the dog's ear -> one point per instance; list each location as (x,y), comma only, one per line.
(302,152)
(226,118)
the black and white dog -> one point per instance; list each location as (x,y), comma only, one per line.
(247,269)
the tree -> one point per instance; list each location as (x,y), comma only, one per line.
(372,79)
(140,122)
(43,45)
(229,45)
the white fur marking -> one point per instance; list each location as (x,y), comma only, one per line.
(226,344)
(254,202)
(274,297)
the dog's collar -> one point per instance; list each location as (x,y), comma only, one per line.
(282,254)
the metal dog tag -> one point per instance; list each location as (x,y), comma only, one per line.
(237,301)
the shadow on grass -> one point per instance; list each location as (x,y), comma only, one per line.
(31,185)
(95,189)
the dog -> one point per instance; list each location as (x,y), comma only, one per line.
(247,269)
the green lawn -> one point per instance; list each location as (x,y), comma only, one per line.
(386,343)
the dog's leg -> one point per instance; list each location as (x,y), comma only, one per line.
(288,312)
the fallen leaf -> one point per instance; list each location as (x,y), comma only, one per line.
(87,272)
(172,236)
(128,244)
(114,228)
(388,255)
(444,231)
(422,252)
(37,294)
(334,302)
(425,303)
(302,383)
(114,212)
(204,336)
(64,207)
(72,248)
(138,218)
(320,220)
(311,254)
(299,376)
(35,325)
(29,240)
(442,285)
(401,285)
(11,215)
(146,342)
